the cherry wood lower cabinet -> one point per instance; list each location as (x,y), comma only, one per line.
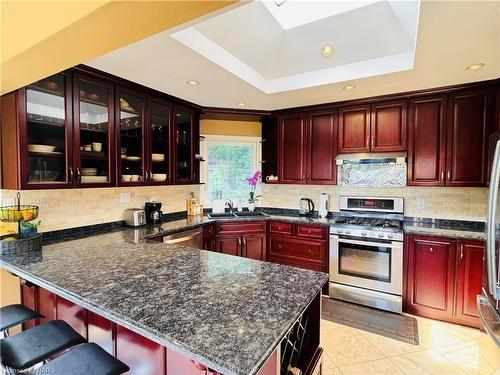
(469,268)
(142,355)
(444,278)
(101,331)
(246,239)
(73,314)
(209,237)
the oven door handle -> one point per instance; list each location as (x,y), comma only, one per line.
(368,243)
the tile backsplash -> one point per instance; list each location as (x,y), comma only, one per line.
(444,203)
(68,208)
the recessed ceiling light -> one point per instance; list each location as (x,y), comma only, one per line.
(241,104)
(327,50)
(349,87)
(476,66)
(192,82)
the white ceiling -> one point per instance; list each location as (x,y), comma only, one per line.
(450,36)
(369,39)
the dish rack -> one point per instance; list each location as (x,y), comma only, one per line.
(19,213)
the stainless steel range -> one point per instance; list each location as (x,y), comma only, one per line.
(366,252)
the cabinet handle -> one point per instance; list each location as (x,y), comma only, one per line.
(244,242)
(239,243)
(146,176)
(71,174)
(442,175)
(449,175)
(431,249)
(78,176)
(372,142)
(462,251)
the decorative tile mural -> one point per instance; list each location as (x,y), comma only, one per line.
(374,175)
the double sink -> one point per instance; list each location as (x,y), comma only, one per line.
(232,215)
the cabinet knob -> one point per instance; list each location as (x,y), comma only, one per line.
(279,228)
(308,232)
(431,249)
(309,251)
(279,246)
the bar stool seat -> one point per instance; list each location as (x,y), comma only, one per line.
(37,344)
(83,360)
(12,315)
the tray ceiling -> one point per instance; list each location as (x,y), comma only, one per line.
(243,54)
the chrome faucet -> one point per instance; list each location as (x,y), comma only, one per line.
(230,204)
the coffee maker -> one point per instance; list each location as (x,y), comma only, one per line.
(153,212)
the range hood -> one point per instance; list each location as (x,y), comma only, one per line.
(372,169)
(372,158)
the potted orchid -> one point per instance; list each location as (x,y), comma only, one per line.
(253,181)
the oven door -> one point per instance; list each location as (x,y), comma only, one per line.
(366,264)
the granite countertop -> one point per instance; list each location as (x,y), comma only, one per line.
(226,312)
(446,228)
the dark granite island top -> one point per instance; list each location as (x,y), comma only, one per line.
(226,312)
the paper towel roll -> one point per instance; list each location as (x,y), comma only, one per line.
(323,205)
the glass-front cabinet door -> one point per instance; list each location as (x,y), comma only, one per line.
(47,145)
(183,120)
(93,136)
(159,117)
(131,137)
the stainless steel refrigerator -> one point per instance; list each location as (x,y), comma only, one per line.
(488,302)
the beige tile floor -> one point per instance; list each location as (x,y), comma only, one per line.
(444,349)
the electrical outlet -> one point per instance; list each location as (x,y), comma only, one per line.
(124,197)
(420,203)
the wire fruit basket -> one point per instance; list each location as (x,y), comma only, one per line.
(19,213)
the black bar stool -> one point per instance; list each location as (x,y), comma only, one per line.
(83,360)
(13,315)
(37,344)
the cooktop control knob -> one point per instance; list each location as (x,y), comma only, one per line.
(364,233)
(348,232)
(381,235)
(339,231)
(390,236)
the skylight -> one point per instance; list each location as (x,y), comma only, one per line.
(293,13)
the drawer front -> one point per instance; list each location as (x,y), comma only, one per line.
(297,262)
(241,227)
(280,227)
(208,230)
(297,248)
(311,231)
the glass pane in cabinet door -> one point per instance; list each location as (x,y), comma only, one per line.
(160,137)
(46,127)
(94,133)
(131,138)
(184,148)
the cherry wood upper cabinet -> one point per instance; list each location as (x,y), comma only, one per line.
(468,281)
(321,167)
(388,126)
(427,141)
(354,129)
(431,265)
(94,137)
(131,133)
(469,126)
(292,144)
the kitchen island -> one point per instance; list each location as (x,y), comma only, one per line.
(227,313)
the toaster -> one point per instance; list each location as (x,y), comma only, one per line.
(135,217)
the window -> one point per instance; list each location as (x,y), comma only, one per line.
(229,160)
